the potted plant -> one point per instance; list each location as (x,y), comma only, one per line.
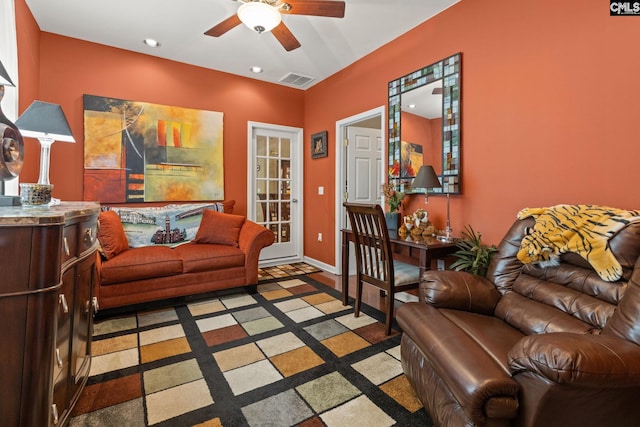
(473,256)
(394,200)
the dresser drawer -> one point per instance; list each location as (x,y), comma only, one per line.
(70,242)
(88,234)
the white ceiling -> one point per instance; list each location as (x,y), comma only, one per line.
(328,44)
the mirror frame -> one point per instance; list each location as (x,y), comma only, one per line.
(450,71)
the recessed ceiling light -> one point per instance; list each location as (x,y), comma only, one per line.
(412,105)
(151,42)
(256,69)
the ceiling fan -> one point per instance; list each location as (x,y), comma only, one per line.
(265,15)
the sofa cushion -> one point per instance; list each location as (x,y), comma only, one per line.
(111,234)
(205,257)
(219,228)
(141,263)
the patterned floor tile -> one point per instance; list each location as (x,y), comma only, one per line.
(334,306)
(284,409)
(147,318)
(111,326)
(400,390)
(251,314)
(165,333)
(304,314)
(346,343)
(268,287)
(237,357)
(259,326)
(296,361)
(250,377)
(291,304)
(108,393)
(276,294)
(216,322)
(279,344)
(318,298)
(168,376)
(114,361)
(327,392)
(164,349)
(327,329)
(302,289)
(224,335)
(357,412)
(210,423)
(206,307)
(175,401)
(292,283)
(352,322)
(238,300)
(130,413)
(379,368)
(110,345)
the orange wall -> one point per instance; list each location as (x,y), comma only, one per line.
(550,110)
(28,65)
(71,68)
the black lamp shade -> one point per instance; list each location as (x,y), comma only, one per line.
(426,178)
(45,120)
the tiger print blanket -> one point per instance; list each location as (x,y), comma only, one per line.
(583,229)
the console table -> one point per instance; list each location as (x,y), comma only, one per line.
(418,251)
(47,260)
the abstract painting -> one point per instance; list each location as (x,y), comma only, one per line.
(411,159)
(142,152)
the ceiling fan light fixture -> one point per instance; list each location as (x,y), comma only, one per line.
(259,16)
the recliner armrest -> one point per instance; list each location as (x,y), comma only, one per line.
(583,360)
(458,290)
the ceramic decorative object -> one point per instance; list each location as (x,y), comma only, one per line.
(35,194)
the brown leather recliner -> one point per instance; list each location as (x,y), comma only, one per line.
(528,346)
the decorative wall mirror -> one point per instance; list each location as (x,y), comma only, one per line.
(438,131)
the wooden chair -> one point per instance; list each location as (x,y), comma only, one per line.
(374,258)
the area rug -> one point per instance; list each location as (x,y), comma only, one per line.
(289,355)
(285,270)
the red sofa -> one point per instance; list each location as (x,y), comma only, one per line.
(224,254)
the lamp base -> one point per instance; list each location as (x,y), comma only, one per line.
(10,200)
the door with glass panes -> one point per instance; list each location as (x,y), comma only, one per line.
(276,191)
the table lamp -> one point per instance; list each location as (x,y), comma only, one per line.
(47,123)
(427,178)
(11,146)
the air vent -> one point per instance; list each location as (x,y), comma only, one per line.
(296,80)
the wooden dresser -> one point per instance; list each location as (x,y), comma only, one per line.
(47,273)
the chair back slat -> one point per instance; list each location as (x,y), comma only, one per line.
(371,238)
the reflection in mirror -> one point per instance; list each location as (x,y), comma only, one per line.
(424,124)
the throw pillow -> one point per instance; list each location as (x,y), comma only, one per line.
(111,234)
(219,228)
(228,206)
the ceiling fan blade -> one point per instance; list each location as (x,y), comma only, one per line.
(285,37)
(226,25)
(332,9)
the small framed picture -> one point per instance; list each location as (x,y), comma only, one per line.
(319,145)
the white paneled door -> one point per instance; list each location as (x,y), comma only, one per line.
(364,165)
(275,173)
